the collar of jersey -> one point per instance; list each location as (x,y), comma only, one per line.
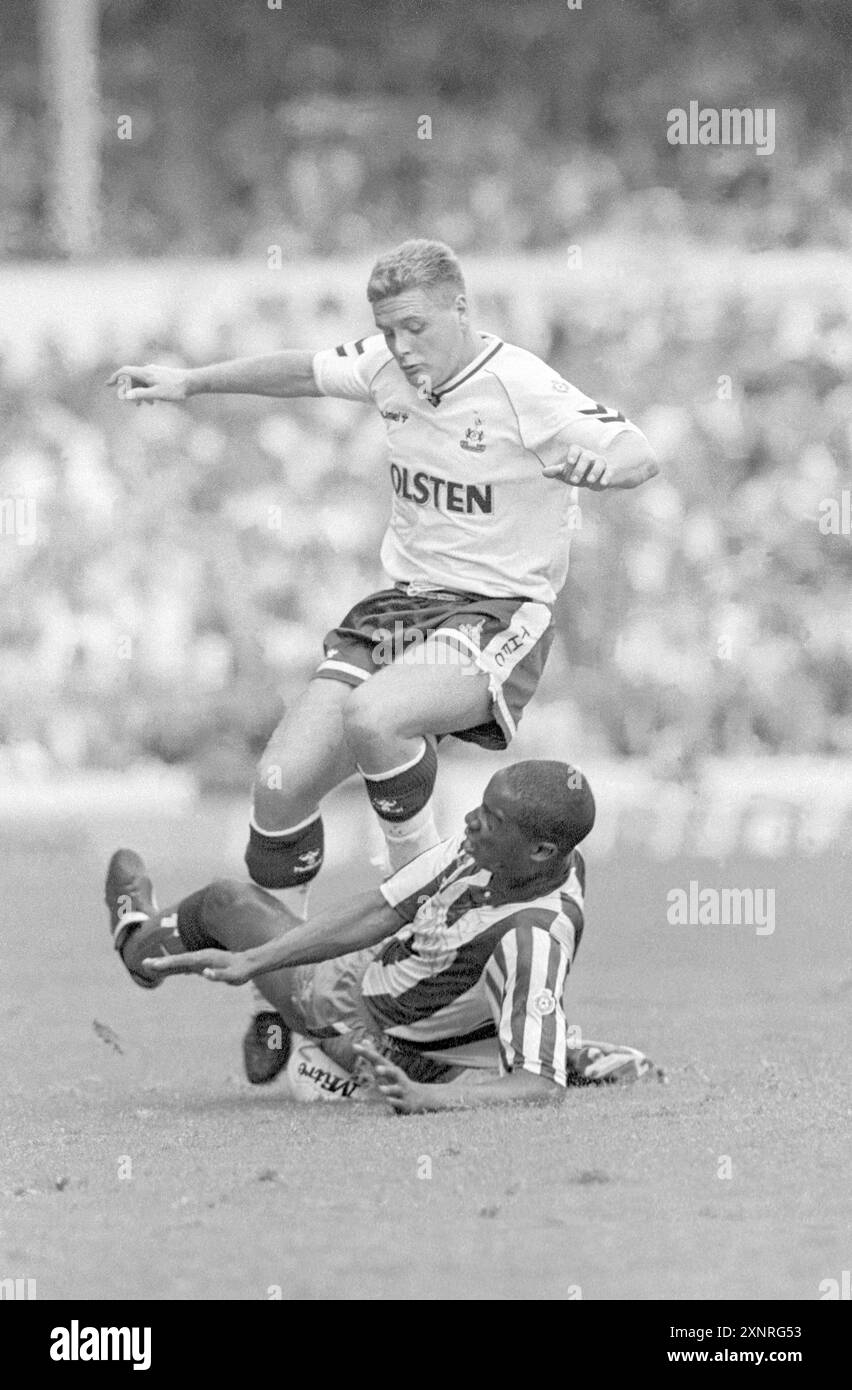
(491,348)
(482,897)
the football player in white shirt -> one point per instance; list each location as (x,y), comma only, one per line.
(487,449)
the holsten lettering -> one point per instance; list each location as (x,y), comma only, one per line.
(76,1343)
(442,493)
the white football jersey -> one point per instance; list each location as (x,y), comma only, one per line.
(471,509)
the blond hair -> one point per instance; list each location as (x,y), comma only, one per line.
(417,264)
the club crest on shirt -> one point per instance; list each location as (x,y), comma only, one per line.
(474,438)
(545,1002)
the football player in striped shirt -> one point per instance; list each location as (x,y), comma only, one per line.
(461,958)
(487,448)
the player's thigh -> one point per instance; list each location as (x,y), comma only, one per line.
(308,752)
(420,696)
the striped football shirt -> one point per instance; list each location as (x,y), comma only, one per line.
(466,967)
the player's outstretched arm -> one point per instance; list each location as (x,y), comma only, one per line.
(363,922)
(288,373)
(411,1097)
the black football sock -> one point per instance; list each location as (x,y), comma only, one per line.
(158,935)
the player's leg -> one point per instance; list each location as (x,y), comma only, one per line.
(305,758)
(227,913)
(390,722)
(307,755)
(230,914)
(322,1001)
(376,632)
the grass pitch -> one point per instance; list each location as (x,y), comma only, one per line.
(136,1162)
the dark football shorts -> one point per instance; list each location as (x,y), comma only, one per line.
(507,638)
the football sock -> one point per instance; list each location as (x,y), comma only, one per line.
(294,899)
(397,795)
(287,859)
(406,839)
(156,936)
(190,922)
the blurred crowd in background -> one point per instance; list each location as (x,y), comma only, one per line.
(184,564)
(299,124)
(187,561)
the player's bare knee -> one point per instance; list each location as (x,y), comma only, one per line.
(365,720)
(283,794)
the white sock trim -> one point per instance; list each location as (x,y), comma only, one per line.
(123,925)
(405,840)
(395,771)
(294,898)
(280,834)
(401,829)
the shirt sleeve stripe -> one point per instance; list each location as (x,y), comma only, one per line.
(527,1022)
(408,888)
(522,967)
(500,977)
(525,942)
(554,1039)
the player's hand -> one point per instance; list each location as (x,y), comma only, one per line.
(151,383)
(581,468)
(403,1094)
(227,967)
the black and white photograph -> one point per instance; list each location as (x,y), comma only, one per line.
(426,661)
